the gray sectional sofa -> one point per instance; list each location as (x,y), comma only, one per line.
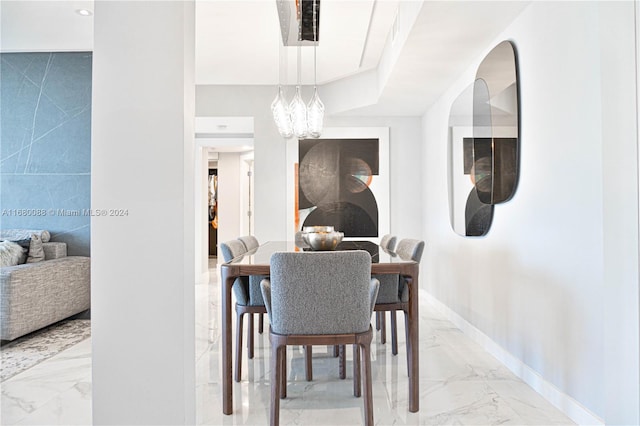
(35,295)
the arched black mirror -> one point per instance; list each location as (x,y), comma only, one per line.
(484,143)
(496,105)
(469,216)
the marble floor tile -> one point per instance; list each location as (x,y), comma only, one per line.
(72,407)
(530,406)
(460,383)
(47,385)
(28,351)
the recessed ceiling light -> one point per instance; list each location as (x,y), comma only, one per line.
(84,12)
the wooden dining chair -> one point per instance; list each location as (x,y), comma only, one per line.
(299,240)
(320,298)
(248,301)
(251,242)
(394,291)
(388,242)
(387,287)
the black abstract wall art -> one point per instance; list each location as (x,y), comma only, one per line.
(334,179)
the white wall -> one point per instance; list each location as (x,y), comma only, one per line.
(246,192)
(270,157)
(620,209)
(229,202)
(142,265)
(201,211)
(555,281)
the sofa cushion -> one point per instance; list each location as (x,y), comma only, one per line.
(23,243)
(36,252)
(11,254)
(25,247)
(54,250)
(34,296)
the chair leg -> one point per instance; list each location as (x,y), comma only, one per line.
(383,328)
(308,368)
(394,333)
(261,323)
(366,373)
(276,364)
(283,372)
(239,318)
(406,337)
(378,320)
(250,337)
(357,391)
(336,351)
(343,362)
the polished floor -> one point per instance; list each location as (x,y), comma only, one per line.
(460,383)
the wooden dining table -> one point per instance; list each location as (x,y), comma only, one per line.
(257,262)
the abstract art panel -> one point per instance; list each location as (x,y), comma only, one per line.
(45,148)
(334,188)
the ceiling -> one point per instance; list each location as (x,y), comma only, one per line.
(414,57)
(351,38)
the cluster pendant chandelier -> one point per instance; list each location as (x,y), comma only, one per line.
(297,118)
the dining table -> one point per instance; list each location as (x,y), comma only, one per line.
(257,262)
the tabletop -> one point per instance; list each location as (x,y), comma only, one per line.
(262,254)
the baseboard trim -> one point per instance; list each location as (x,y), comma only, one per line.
(569,406)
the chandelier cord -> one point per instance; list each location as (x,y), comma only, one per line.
(300,46)
(280,61)
(315,43)
(299,66)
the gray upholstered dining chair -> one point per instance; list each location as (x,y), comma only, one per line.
(299,240)
(408,249)
(255,297)
(320,298)
(394,292)
(388,241)
(387,287)
(249,241)
(248,301)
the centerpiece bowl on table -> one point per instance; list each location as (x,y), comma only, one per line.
(322,238)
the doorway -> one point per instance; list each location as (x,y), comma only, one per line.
(212,209)
(224,183)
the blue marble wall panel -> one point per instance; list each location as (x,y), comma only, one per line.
(45,144)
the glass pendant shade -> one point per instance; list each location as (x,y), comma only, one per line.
(281,116)
(298,111)
(315,115)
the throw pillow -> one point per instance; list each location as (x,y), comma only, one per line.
(36,252)
(25,247)
(10,253)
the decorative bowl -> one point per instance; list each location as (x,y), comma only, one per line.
(323,241)
(308,229)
